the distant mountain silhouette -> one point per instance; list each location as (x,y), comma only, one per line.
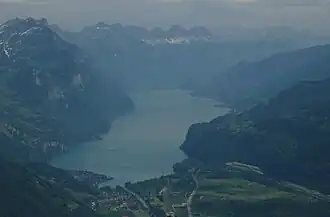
(157,58)
(249,83)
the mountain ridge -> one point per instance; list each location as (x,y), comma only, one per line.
(287,137)
(185,59)
(250,83)
(47,86)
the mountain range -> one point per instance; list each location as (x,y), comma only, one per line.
(176,58)
(286,135)
(51,98)
(58,89)
(51,95)
(250,83)
(175,32)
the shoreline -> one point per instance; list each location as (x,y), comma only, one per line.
(113,182)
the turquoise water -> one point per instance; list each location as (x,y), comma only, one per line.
(144,144)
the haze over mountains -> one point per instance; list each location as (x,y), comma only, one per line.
(300,14)
(173,58)
(60,88)
(255,82)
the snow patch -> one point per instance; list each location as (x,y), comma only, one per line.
(6,48)
(6,51)
(178,40)
(104,28)
(30,31)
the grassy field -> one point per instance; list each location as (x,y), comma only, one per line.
(239,189)
(237,197)
(242,198)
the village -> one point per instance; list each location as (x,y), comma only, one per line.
(115,200)
(121,200)
(158,198)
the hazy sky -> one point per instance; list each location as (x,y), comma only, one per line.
(312,14)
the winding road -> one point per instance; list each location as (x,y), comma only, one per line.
(138,197)
(194,175)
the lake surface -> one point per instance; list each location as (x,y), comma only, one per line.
(144,144)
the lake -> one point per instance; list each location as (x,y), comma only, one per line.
(143,144)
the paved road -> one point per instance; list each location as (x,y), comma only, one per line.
(138,197)
(194,175)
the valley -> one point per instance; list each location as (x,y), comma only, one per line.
(145,143)
(106,122)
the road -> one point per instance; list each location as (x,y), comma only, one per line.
(194,175)
(139,198)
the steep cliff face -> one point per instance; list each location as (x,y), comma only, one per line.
(51,95)
(288,138)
